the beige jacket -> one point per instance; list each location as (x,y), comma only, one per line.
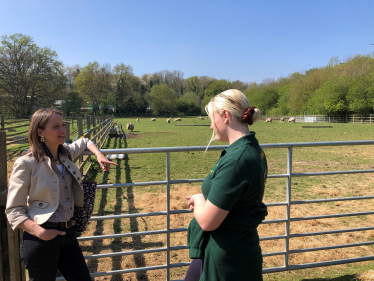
(34,187)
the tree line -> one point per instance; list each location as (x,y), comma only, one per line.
(32,77)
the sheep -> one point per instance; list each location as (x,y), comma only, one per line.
(281,120)
(168,120)
(137,120)
(206,117)
(130,127)
(177,119)
(268,120)
(292,119)
(153,119)
(201,118)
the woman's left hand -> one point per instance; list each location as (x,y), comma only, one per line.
(104,162)
(191,200)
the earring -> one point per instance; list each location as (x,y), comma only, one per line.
(42,139)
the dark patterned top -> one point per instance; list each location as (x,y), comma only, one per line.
(65,209)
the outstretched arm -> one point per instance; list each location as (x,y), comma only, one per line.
(103,161)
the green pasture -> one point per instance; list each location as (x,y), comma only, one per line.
(189,165)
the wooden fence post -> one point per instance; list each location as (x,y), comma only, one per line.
(80,133)
(3,220)
(67,133)
(93,125)
(2,122)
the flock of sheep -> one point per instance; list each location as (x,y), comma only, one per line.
(269,120)
(130,126)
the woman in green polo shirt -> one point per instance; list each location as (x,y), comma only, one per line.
(222,237)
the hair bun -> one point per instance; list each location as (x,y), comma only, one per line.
(247,115)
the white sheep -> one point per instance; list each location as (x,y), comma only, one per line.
(137,120)
(177,119)
(201,118)
(130,127)
(153,119)
(292,119)
(268,120)
(281,120)
(168,120)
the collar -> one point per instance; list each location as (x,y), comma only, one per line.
(240,142)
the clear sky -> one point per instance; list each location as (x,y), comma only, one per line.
(235,40)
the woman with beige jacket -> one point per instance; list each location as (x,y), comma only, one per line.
(44,187)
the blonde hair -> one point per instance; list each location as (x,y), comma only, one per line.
(235,102)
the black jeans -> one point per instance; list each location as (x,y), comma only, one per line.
(43,258)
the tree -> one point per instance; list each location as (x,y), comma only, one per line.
(128,90)
(189,104)
(30,76)
(213,89)
(73,103)
(93,83)
(193,84)
(361,95)
(162,100)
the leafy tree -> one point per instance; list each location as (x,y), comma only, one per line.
(124,76)
(331,99)
(162,100)
(30,76)
(193,84)
(73,103)
(239,85)
(214,88)
(262,96)
(189,104)
(361,95)
(94,83)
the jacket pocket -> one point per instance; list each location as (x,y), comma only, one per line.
(40,204)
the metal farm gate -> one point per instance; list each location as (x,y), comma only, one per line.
(288,219)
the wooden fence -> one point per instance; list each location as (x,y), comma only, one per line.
(11,268)
(365,119)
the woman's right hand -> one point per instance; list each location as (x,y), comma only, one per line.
(49,234)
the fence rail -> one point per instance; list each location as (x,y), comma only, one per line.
(288,203)
(368,119)
(9,239)
(287,220)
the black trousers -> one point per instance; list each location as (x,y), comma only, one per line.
(43,258)
(195,270)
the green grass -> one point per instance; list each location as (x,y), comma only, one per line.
(152,167)
(188,165)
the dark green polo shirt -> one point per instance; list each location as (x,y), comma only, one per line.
(236,183)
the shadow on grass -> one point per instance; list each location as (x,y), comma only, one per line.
(340,278)
(97,244)
(117,244)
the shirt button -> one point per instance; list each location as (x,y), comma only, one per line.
(74,172)
(71,208)
(66,187)
(68,167)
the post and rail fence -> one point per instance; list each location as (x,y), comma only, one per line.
(18,269)
(10,265)
(364,119)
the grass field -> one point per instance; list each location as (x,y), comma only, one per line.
(151,167)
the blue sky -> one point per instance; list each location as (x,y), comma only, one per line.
(236,40)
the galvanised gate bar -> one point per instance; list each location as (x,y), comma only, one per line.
(289,175)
